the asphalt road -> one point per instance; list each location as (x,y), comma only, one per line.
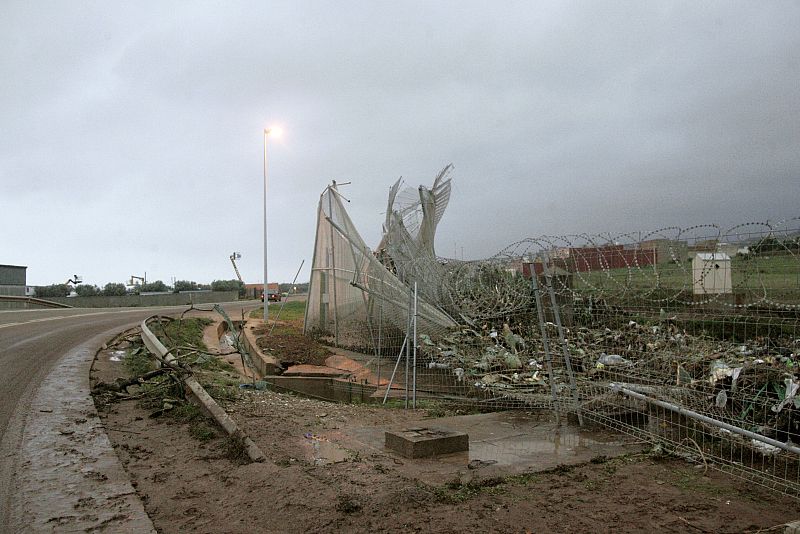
(31,342)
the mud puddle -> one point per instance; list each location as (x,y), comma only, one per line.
(320,451)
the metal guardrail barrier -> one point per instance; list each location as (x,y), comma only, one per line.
(33,300)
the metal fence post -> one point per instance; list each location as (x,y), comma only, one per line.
(563,339)
(548,358)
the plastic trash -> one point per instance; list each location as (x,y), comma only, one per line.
(722,399)
(765,448)
(789,395)
(719,371)
(606,360)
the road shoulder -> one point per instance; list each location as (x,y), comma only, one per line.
(69,478)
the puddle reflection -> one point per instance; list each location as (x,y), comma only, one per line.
(324,452)
(552,444)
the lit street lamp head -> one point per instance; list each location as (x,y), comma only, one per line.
(275,131)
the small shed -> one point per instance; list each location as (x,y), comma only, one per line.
(711,273)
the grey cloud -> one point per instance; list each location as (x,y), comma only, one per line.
(137,127)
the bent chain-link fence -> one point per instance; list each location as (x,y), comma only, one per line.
(686,337)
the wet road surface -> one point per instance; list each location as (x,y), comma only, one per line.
(31,343)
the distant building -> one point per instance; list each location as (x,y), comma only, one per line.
(13,280)
(254,291)
(561,252)
(706,245)
(585,259)
(666,250)
(556,269)
(731,249)
(514,266)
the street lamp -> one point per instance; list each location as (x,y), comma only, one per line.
(274,132)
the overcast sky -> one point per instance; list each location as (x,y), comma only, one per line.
(131,132)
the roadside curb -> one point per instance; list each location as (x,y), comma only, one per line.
(201,395)
(69,477)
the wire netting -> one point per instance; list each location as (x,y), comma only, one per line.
(686,337)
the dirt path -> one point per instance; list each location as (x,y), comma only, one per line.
(188,485)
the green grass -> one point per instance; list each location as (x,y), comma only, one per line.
(696,482)
(212,372)
(292,311)
(457,492)
(187,413)
(777,277)
(524,479)
(236,450)
(137,361)
(214,364)
(201,427)
(184,332)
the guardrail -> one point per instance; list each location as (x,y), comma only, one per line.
(33,300)
(155,346)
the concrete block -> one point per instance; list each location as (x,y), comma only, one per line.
(425,442)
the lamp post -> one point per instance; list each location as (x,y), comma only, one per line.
(266,300)
(274,132)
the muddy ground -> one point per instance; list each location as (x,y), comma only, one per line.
(191,480)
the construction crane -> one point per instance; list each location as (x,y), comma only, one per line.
(235,256)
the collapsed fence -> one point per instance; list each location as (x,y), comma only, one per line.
(688,337)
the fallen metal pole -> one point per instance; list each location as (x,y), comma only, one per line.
(700,417)
(222,418)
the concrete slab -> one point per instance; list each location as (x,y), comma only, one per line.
(359,371)
(424,442)
(500,444)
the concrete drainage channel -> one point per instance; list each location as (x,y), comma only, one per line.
(201,396)
(336,381)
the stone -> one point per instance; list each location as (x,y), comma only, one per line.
(422,442)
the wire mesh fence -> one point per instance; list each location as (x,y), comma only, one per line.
(687,337)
